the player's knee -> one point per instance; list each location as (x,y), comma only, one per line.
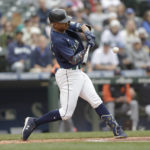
(95,104)
(66,117)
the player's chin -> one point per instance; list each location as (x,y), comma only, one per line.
(66,27)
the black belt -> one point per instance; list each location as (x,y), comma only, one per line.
(74,68)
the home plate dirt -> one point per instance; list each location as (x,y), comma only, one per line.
(129,139)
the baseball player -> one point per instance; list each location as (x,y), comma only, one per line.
(72,82)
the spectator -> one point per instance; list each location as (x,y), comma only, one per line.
(77,5)
(112,34)
(121,99)
(129,33)
(50,4)
(107,3)
(42,12)
(19,54)
(104,59)
(144,97)
(138,56)
(123,56)
(146,22)
(7,34)
(41,57)
(143,36)
(0,15)
(130,14)
(34,40)
(96,20)
(26,31)
(16,19)
(110,17)
(82,16)
(28,2)
(35,20)
(121,14)
(69,10)
(3,21)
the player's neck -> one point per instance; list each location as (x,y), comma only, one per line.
(60,31)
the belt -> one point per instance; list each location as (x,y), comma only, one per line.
(74,68)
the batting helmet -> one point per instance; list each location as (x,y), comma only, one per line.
(58,15)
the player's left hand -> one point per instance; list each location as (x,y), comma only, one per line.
(90,37)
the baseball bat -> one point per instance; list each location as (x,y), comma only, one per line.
(86,55)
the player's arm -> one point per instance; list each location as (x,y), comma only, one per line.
(86,29)
(68,53)
(90,39)
(78,27)
(77,58)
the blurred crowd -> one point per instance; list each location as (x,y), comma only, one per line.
(25,36)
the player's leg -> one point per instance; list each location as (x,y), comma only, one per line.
(31,123)
(89,94)
(70,84)
(70,89)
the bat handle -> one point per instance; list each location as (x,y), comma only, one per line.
(86,55)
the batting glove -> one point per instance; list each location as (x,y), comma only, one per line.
(90,37)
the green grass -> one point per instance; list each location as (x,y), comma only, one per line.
(77,145)
(73,135)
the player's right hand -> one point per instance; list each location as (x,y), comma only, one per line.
(90,37)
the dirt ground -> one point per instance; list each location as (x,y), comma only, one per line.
(129,139)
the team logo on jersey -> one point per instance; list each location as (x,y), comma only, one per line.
(75,45)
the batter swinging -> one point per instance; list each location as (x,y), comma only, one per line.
(69,52)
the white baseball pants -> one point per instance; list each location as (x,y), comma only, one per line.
(72,84)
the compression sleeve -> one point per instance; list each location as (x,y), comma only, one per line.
(77,58)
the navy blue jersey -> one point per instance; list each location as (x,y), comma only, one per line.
(41,58)
(65,45)
(17,52)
